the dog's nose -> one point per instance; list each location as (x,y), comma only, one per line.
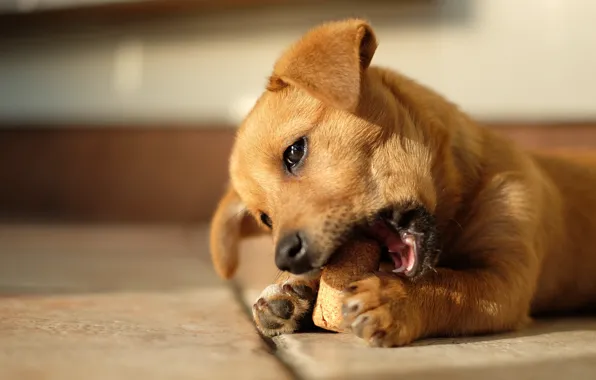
(291,253)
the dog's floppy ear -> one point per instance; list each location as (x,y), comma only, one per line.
(328,62)
(230,223)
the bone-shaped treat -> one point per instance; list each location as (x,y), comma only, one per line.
(354,260)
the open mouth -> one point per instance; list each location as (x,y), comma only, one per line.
(399,245)
(408,240)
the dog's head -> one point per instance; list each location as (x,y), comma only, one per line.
(328,152)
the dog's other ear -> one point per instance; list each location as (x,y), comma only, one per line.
(230,223)
(328,62)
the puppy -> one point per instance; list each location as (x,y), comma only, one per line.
(480,234)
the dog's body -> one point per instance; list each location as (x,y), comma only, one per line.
(482,234)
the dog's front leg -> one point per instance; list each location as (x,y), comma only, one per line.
(286,306)
(386,310)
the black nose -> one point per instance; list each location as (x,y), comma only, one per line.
(291,253)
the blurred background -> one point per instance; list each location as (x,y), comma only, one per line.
(117,117)
(125,111)
(116,121)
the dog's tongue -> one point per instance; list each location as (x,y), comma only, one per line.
(396,247)
(393,242)
(397,261)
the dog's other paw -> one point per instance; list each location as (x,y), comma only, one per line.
(282,308)
(377,309)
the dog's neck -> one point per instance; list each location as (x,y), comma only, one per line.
(456,140)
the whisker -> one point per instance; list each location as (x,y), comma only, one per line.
(277,276)
(459,225)
(240,214)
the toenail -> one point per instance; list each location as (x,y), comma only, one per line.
(358,325)
(378,336)
(351,307)
(303,291)
(261,303)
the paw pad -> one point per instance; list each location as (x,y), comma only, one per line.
(281,308)
(301,291)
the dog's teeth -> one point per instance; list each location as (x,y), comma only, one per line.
(400,269)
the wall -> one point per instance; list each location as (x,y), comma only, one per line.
(499,59)
(163,175)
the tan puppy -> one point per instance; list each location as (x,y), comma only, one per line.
(481,234)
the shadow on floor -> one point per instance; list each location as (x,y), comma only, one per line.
(576,368)
(577,322)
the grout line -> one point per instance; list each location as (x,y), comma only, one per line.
(269,343)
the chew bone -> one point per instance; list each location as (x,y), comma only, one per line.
(352,262)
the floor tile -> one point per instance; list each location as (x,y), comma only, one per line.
(550,350)
(80,258)
(199,334)
(121,302)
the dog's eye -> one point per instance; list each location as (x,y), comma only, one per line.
(266,220)
(294,154)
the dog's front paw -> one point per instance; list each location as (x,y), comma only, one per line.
(378,310)
(282,308)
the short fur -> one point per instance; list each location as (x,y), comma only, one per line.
(518,229)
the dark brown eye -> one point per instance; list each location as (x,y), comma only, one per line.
(266,220)
(294,154)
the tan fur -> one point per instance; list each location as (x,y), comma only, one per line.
(518,230)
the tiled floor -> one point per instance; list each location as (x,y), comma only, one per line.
(143,303)
(120,303)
